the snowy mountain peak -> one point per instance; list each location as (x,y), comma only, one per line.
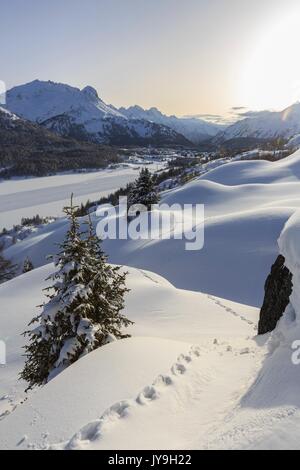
(195,130)
(91,93)
(81,113)
(40,101)
(265,125)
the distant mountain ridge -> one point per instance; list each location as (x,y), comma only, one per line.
(265,125)
(195,130)
(82,114)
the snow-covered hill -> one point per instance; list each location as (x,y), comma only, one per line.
(246,206)
(165,329)
(81,114)
(194,374)
(265,125)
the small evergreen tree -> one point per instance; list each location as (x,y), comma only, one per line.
(143,191)
(84,307)
(7,269)
(28,266)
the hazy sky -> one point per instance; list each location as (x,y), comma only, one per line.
(183,56)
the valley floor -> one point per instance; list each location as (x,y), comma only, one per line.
(26,197)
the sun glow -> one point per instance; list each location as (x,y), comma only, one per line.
(271,76)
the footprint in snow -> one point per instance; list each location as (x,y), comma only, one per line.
(95,429)
(178,369)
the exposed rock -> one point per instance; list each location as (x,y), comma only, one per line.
(278,289)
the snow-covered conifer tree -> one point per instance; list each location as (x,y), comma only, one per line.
(84,307)
(28,266)
(143,191)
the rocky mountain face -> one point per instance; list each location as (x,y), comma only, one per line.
(278,289)
(115,131)
(29,149)
(81,114)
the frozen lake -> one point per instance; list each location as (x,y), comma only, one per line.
(48,195)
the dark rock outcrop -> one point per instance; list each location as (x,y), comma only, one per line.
(278,289)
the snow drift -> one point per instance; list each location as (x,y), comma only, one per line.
(194,374)
(246,206)
(167,322)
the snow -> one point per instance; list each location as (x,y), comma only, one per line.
(48,195)
(294,142)
(59,107)
(265,125)
(246,206)
(257,172)
(19,299)
(290,248)
(169,323)
(196,130)
(39,101)
(7,114)
(194,375)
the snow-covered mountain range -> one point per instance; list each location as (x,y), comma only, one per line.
(196,130)
(265,125)
(82,114)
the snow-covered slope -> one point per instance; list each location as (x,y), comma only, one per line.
(169,322)
(265,125)
(268,416)
(237,173)
(38,101)
(195,130)
(83,115)
(7,116)
(244,217)
(294,142)
(193,375)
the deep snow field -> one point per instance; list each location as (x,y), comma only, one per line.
(194,375)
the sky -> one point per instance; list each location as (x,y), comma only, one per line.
(191,57)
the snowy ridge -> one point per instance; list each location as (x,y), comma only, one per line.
(74,112)
(196,130)
(265,125)
(240,198)
(81,114)
(38,101)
